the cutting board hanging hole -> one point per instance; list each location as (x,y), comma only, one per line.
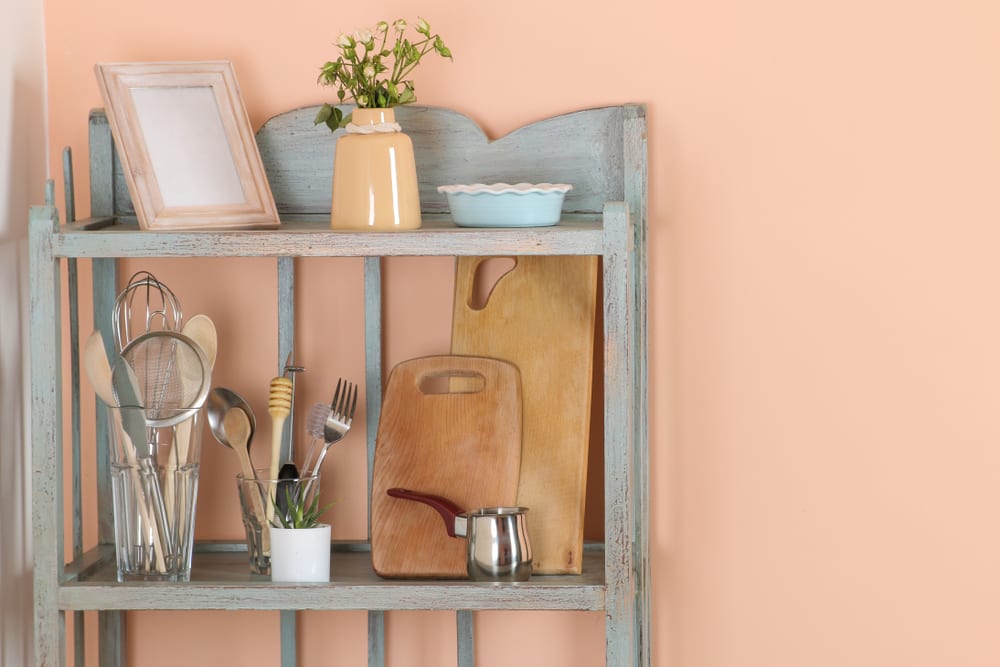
(452,383)
(489,272)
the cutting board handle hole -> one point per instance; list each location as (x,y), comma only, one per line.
(452,383)
(488,274)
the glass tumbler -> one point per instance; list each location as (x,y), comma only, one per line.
(154,484)
(260,499)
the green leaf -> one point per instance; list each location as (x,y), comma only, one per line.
(323,115)
(441,48)
(333,122)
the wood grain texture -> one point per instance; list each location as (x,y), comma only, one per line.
(313,238)
(602,152)
(464,445)
(46,433)
(624,636)
(221,580)
(119,84)
(539,316)
(449,148)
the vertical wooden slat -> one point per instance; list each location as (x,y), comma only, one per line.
(72,279)
(289,647)
(619,526)
(102,177)
(46,437)
(110,624)
(373,409)
(286,342)
(466,638)
(635,171)
(376,638)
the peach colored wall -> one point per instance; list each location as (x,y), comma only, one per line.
(823,225)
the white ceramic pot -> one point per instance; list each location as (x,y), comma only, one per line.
(300,554)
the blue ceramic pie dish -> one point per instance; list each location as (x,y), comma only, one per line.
(504,205)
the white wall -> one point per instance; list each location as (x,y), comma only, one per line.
(22,174)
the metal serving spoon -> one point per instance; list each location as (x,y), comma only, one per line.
(220,402)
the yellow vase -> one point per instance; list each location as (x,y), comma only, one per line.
(374,176)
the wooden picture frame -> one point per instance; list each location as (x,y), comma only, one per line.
(185,142)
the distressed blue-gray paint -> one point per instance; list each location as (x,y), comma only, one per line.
(602,152)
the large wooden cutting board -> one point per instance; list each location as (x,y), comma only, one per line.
(450,426)
(540,317)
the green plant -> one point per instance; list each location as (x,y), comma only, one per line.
(373,73)
(296,512)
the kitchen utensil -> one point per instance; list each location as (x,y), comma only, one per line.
(338,419)
(238,432)
(315,420)
(290,370)
(288,471)
(201,330)
(142,451)
(540,317)
(459,442)
(223,408)
(497,542)
(221,401)
(279,405)
(98,370)
(160,379)
(171,377)
(158,309)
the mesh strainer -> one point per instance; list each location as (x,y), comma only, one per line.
(164,373)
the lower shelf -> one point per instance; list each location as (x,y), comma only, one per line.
(220,579)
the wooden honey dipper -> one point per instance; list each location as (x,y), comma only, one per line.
(279,406)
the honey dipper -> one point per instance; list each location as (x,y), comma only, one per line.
(279,405)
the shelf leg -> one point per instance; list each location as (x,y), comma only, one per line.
(46,437)
(376,638)
(373,404)
(111,638)
(289,649)
(466,639)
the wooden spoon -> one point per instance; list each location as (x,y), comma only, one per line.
(95,364)
(201,330)
(236,426)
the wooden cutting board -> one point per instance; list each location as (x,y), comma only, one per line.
(540,317)
(450,426)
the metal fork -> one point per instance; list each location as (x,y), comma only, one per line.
(338,421)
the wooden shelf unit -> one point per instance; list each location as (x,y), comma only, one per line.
(602,152)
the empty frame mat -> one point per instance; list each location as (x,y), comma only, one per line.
(185,142)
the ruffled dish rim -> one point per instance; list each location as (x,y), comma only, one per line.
(505,188)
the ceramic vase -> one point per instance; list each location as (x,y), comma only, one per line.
(374,176)
(300,554)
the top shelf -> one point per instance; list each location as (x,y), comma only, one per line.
(311,236)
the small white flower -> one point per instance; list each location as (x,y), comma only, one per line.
(344,40)
(399,25)
(369,71)
(423,26)
(363,36)
(381,27)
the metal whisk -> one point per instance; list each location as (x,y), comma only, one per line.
(158,309)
